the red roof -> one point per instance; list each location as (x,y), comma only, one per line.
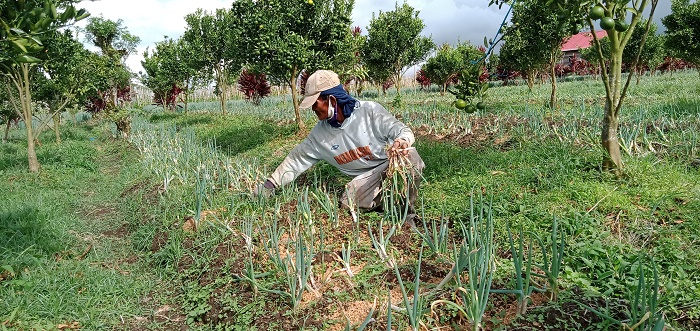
(581,40)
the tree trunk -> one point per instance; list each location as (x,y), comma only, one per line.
(530,79)
(26,99)
(613,160)
(187,95)
(397,84)
(295,102)
(164,102)
(57,126)
(444,88)
(553,96)
(221,81)
(31,150)
(611,121)
(124,126)
(7,129)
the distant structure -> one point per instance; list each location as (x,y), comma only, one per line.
(581,40)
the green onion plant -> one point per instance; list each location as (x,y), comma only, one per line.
(522,265)
(435,236)
(381,243)
(328,205)
(415,308)
(553,256)
(475,255)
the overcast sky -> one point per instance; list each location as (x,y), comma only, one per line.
(447,21)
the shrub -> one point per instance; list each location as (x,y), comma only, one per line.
(254,86)
(422,80)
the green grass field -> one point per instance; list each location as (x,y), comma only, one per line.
(161,232)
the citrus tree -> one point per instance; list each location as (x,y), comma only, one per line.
(191,57)
(166,73)
(449,61)
(283,38)
(683,30)
(614,21)
(211,40)
(111,85)
(23,27)
(620,18)
(533,40)
(394,44)
(350,65)
(651,56)
(63,82)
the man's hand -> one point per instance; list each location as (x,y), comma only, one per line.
(267,189)
(400,146)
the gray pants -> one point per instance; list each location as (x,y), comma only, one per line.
(365,190)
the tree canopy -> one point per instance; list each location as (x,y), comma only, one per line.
(24,26)
(533,41)
(212,40)
(449,61)
(394,44)
(683,30)
(111,80)
(284,38)
(166,71)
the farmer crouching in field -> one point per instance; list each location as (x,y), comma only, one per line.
(352,135)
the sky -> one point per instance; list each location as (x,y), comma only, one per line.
(446,21)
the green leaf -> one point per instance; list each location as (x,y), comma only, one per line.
(24,58)
(18,31)
(20,43)
(81,14)
(35,47)
(54,12)
(659,325)
(68,14)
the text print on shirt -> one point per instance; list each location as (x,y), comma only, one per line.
(354,154)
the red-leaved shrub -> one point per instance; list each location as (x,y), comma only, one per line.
(254,86)
(422,79)
(98,103)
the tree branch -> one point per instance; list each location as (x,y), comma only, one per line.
(18,110)
(603,69)
(639,52)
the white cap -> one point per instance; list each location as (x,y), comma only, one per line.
(318,82)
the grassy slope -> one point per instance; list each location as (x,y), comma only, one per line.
(59,233)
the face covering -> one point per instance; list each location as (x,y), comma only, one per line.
(331,110)
(332,115)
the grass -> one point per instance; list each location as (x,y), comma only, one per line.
(88,191)
(52,236)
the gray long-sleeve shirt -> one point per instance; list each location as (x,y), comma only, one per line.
(357,146)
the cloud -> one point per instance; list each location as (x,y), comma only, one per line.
(446,21)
